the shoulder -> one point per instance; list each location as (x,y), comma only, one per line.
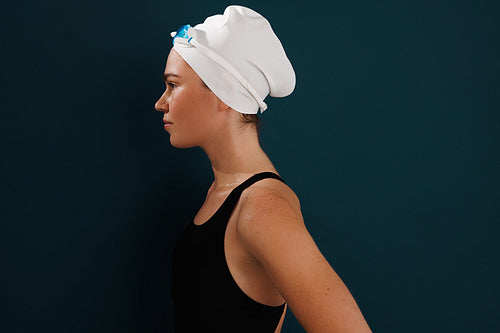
(268,197)
(267,212)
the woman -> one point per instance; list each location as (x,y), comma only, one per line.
(247,255)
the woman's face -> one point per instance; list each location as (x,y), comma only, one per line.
(191,110)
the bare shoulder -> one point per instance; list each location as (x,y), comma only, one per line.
(268,211)
(268,197)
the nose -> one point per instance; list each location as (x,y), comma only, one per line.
(162,104)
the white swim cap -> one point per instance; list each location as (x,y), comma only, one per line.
(239,57)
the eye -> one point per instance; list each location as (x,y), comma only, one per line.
(171,85)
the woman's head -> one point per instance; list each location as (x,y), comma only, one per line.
(218,74)
(193,114)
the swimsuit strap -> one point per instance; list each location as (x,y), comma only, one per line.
(227,207)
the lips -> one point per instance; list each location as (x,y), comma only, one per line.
(167,124)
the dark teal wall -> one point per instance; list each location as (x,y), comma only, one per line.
(391,141)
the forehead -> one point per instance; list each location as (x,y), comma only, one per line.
(178,66)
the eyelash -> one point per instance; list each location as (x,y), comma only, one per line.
(171,85)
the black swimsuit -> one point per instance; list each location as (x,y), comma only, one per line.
(206,297)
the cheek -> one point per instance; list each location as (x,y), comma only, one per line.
(180,105)
(192,104)
(198,107)
(191,112)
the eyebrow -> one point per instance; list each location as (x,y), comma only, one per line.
(167,75)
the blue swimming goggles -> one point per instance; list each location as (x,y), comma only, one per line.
(182,32)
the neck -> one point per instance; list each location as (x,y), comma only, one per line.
(235,156)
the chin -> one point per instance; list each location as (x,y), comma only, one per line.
(181,144)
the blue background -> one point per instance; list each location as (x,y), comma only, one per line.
(390,140)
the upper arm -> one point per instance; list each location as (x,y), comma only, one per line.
(270,227)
